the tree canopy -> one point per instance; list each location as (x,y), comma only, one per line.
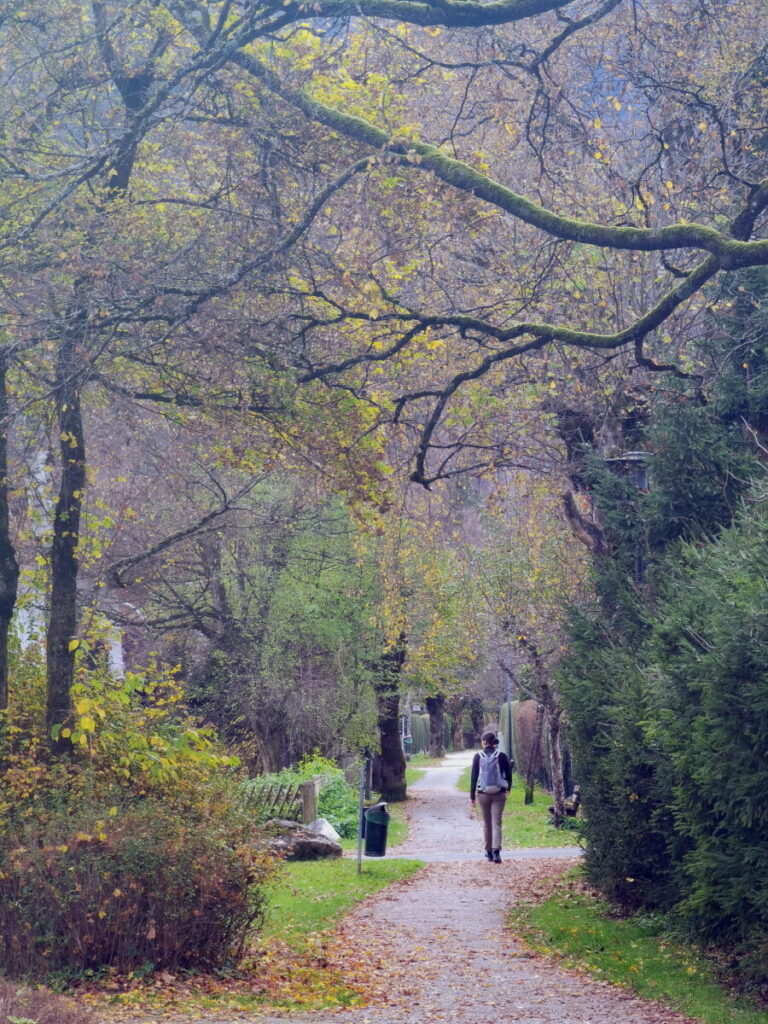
(400,202)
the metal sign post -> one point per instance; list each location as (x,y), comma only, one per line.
(361,799)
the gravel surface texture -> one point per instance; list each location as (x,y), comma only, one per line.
(434,947)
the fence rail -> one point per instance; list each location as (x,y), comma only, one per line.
(297,801)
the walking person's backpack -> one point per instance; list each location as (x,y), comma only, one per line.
(490,779)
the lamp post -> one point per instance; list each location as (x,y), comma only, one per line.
(506,728)
(509,718)
(633,466)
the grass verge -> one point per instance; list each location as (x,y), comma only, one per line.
(311,896)
(527,825)
(576,928)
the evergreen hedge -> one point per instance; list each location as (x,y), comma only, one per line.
(711,649)
(666,686)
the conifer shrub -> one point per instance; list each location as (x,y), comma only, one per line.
(668,715)
(420,733)
(711,647)
(666,684)
(631,844)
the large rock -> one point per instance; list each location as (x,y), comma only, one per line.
(293,841)
(323,827)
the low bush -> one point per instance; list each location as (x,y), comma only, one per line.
(38,1007)
(338,803)
(150,885)
(134,850)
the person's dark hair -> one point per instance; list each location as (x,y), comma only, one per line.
(490,738)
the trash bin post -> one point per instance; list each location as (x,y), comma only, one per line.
(376,823)
(364,767)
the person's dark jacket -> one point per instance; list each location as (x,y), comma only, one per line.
(505,768)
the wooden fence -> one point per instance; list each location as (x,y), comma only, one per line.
(298,801)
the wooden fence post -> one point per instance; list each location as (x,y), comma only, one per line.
(310,791)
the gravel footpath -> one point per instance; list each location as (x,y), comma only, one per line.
(433,947)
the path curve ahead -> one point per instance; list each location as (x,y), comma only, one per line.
(435,949)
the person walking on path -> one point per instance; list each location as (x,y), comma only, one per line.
(490,782)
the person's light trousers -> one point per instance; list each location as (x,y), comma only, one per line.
(492,806)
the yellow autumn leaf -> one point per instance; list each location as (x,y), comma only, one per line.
(88,724)
(73,645)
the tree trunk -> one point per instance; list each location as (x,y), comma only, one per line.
(62,624)
(533,759)
(456,709)
(554,713)
(476,715)
(436,710)
(9,566)
(389,764)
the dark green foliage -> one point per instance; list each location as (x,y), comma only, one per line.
(700,468)
(666,685)
(711,648)
(625,780)
(420,733)
(739,344)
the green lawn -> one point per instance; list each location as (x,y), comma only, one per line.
(526,826)
(577,929)
(310,896)
(412,774)
(424,760)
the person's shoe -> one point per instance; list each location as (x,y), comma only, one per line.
(489,854)
(495,856)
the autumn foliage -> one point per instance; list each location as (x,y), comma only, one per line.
(136,852)
(153,886)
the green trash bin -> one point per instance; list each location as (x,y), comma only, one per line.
(376,822)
